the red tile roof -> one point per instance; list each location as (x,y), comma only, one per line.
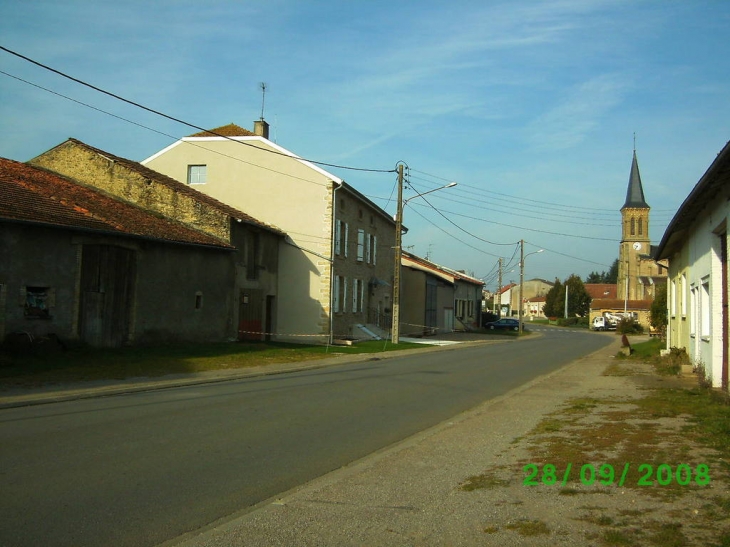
(601,290)
(180,188)
(30,194)
(230,130)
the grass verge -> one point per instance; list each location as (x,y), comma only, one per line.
(86,364)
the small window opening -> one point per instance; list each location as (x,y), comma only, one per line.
(36,302)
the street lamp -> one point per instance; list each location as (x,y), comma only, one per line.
(522,278)
(395,327)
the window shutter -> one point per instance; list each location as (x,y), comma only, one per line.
(375,246)
(355,292)
(367,248)
(344,294)
(344,243)
(362,295)
(336,295)
(338,230)
(360,245)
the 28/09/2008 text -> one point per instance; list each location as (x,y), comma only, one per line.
(662,475)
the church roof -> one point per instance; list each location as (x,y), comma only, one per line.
(635,193)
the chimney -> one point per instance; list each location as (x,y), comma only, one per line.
(261,128)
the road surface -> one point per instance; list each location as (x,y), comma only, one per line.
(141,469)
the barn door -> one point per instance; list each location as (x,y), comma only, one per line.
(107,273)
(250,314)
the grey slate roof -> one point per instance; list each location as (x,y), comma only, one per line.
(635,193)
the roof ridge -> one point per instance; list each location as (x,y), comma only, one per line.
(184,188)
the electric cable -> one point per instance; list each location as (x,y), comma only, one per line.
(177,120)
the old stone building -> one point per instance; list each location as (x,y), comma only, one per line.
(80,265)
(254,289)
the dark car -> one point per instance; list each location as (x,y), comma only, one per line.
(503,324)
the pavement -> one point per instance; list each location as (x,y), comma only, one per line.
(412,493)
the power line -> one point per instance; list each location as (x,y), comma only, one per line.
(518,199)
(217,152)
(453,236)
(172,118)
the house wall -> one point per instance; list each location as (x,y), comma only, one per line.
(256,281)
(284,192)
(467,312)
(412,302)
(167,279)
(363,257)
(700,331)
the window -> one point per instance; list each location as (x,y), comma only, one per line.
(705,307)
(633,227)
(358,288)
(341,232)
(360,245)
(37,302)
(641,226)
(197,174)
(683,296)
(695,311)
(198,300)
(340,294)
(673,298)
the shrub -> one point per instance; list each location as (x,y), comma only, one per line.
(629,326)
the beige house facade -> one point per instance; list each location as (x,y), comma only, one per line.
(696,245)
(336,262)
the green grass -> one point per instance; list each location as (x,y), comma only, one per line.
(646,350)
(84,363)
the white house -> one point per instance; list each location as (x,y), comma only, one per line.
(695,243)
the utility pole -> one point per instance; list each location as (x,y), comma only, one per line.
(522,278)
(395,328)
(498,307)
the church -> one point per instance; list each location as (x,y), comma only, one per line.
(638,273)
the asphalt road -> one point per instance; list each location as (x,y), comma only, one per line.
(143,468)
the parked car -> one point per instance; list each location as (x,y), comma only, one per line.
(488,317)
(503,324)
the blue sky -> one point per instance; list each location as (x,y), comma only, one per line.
(530,106)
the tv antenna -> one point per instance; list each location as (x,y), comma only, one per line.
(262,85)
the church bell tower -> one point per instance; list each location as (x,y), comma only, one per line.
(635,244)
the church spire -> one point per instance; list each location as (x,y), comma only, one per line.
(635,192)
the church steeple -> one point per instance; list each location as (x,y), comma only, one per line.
(635,192)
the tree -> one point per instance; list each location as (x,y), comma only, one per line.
(658,311)
(554,300)
(612,276)
(579,301)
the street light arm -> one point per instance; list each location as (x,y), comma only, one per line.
(449,185)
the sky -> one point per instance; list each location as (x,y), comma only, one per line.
(534,108)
